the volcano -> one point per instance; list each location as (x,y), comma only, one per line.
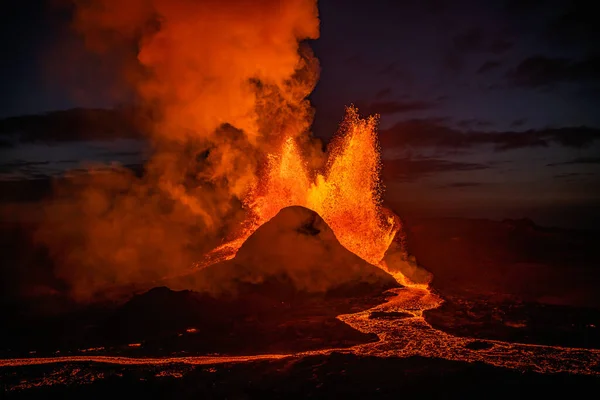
(295,252)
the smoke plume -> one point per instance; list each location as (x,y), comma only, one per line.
(222,83)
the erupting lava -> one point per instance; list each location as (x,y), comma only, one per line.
(347,193)
(231,80)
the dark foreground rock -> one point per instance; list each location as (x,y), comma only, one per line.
(329,376)
(511,280)
(518,322)
(165,322)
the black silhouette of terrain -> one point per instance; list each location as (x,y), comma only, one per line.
(512,280)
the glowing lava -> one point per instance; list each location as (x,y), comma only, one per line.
(346,194)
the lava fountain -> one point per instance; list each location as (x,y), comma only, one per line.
(346,193)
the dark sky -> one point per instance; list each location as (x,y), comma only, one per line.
(487,107)
(28,28)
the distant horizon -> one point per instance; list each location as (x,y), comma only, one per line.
(469,192)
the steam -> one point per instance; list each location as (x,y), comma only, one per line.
(224,83)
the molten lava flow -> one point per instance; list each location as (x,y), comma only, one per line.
(347,194)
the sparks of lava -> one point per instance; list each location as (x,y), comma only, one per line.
(346,193)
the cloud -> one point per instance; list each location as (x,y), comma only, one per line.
(577,161)
(576,137)
(538,71)
(462,184)
(394,107)
(434,133)
(22,163)
(72,125)
(488,66)
(476,40)
(518,122)
(410,169)
(122,154)
(394,70)
(21,168)
(383,93)
(568,176)
(473,123)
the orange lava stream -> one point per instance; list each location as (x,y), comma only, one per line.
(414,336)
(400,337)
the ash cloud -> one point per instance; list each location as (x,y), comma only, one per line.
(221,83)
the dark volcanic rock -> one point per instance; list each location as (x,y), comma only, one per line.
(165,322)
(346,376)
(509,259)
(479,345)
(519,322)
(511,280)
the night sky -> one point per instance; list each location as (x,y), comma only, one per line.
(488,109)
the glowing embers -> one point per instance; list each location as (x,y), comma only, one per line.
(346,193)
